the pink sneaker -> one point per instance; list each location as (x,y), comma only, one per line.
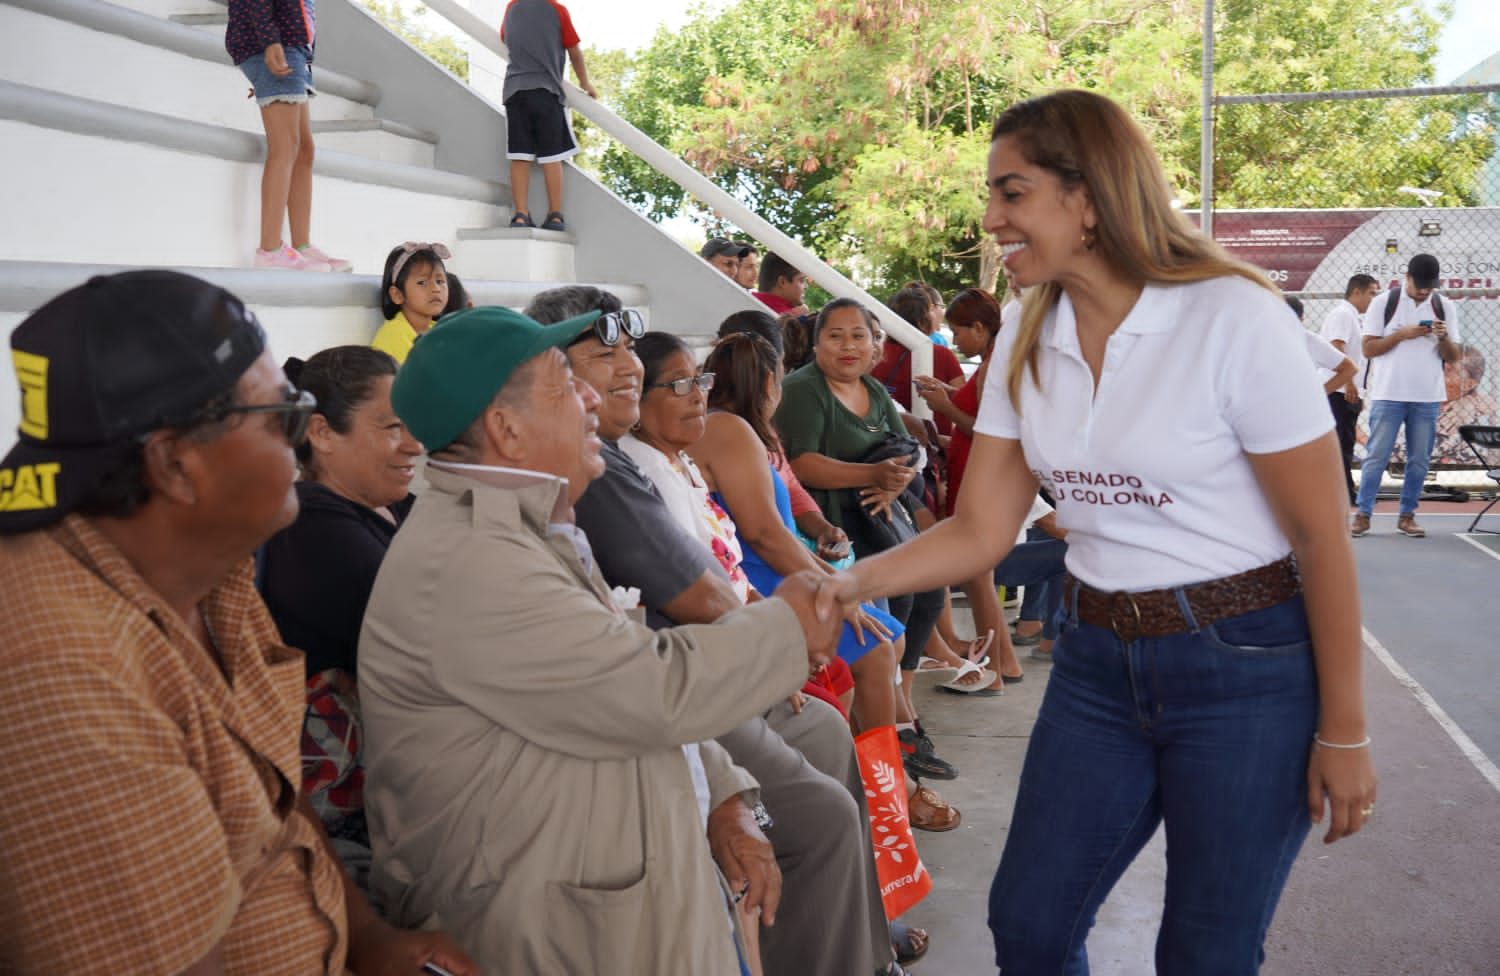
(318,254)
(288,259)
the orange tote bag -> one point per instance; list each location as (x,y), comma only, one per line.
(903,879)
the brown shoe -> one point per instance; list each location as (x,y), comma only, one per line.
(929,812)
(1360,526)
(1407,525)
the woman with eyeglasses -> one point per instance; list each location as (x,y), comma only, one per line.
(357,461)
(743,464)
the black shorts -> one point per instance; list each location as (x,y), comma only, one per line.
(537,127)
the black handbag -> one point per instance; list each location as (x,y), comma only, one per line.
(869,533)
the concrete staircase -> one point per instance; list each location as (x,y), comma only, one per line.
(130,142)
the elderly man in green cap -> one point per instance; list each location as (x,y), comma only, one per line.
(539,775)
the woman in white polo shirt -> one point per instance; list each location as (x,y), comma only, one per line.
(1208,671)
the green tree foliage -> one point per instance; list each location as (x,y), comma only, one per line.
(861,126)
(437,45)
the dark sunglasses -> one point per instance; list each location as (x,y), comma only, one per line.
(627,320)
(684,386)
(296,413)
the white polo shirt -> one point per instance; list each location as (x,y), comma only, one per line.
(1149,473)
(1323,355)
(1344,324)
(1412,371)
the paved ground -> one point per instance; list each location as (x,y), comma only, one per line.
(1416,894)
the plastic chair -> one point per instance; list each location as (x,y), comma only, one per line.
(1484,444)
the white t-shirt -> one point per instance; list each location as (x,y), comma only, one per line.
(1344,325)
(1412,371)
(1149,473)
(1323,355)
(1039,511)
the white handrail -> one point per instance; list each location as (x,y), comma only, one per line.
(709,193)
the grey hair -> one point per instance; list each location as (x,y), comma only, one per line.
(468,446)
(557,304)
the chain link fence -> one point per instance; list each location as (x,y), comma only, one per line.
(1311,254)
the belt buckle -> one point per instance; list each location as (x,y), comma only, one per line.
(1131,614)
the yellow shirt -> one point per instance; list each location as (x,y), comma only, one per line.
(396,337)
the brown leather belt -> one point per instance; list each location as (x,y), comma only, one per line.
(1156,613)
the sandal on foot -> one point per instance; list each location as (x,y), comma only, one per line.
(933,664)
(958,686)
(977,648)
(1026,640)
(521,219)
(554,221)
(1012,679)
(909,942)
(928,812)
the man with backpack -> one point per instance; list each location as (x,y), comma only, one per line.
(1407,337)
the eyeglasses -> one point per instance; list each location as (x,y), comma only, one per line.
(296,413)
(609,325)
(684,386)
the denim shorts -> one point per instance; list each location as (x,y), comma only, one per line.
(295,87)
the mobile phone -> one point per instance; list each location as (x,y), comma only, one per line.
(433,969)
(1426,324)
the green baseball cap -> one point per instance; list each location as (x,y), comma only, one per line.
(455,368)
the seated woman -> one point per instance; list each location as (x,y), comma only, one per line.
(741,460)
(831,417)
(668,423)
(316,574)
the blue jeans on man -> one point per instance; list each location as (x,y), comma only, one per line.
(1206,732)
(1036,565)
(1386,418)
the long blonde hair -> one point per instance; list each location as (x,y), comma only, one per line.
(1087,140)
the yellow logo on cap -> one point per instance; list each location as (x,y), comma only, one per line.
(31,372)
(29,487)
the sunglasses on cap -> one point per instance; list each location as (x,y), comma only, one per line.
(295,414)
(684,386)
(607,327)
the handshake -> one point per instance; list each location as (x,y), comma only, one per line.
(820,601)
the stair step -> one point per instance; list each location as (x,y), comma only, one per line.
(378,139)
(204,20)
(178,192)
(140,49)
(521,252)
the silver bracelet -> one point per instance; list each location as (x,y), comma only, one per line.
(1342,745)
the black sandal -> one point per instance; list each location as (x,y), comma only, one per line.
(554,221)
(521,219)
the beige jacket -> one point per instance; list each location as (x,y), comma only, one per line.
(526,786)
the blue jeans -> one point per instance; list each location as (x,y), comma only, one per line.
(1207,732)
(1038,566)
(1386,417)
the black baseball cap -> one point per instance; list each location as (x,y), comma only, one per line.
(105,363)
(718,246)
(1424,271)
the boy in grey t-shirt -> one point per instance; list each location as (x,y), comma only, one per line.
(538,33)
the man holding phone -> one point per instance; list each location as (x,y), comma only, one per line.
(1407,336)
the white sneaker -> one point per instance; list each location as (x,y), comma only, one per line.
(286,258)
(318,254)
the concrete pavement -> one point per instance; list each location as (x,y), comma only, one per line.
(1418,892)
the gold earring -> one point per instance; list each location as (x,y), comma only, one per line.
(1089,239)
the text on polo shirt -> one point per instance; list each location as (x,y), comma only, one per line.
(1101,488)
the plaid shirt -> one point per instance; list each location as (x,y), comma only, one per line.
(149,803)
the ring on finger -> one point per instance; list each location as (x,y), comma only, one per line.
(1369,810)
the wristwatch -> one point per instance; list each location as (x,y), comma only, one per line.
(762,817)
